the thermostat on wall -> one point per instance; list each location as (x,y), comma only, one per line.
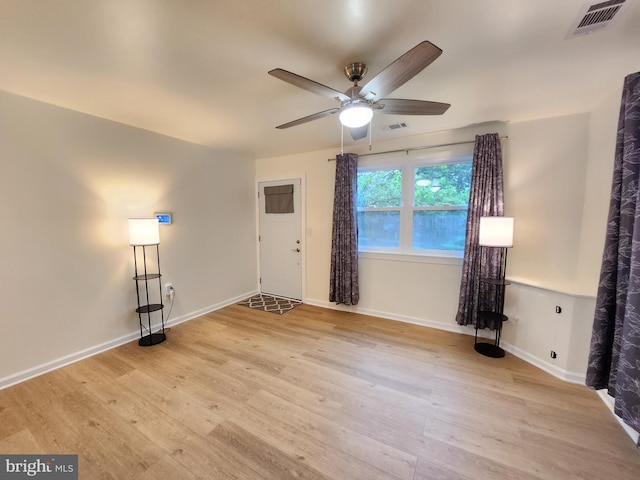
(163,218)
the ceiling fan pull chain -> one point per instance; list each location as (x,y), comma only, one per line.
(341,139)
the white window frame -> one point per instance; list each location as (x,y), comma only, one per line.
(406,209)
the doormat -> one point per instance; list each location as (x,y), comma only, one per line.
(271,304)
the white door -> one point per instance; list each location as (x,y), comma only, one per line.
(281,246)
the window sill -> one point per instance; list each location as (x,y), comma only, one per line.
(453,259)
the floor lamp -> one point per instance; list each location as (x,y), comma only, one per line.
(495,233)
(144,234)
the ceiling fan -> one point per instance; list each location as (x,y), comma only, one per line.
(359,103)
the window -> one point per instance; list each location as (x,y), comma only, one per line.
(414,209)
(379,207)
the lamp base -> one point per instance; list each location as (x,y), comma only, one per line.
(153,339)
(489,350)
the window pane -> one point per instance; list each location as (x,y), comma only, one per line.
(442,185)
(380,188)
(439,229)
(379,229)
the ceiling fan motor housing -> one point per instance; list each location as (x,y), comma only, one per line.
(355,71)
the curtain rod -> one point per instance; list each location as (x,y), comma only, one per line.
(410,149)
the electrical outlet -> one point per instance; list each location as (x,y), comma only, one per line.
(168,288)
(553,355)
(558,309)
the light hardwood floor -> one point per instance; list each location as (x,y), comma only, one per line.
(314,394)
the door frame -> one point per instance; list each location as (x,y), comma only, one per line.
(303,227)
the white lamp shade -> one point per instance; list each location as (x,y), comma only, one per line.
(144,231)
(496,231)
(356,115)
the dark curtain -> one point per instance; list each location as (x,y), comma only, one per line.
(614,358)
(344,287)
(485,200)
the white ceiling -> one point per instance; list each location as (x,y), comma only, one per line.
(197,69)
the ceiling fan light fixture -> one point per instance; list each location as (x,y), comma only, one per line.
(356,115)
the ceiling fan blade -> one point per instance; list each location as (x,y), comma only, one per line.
(400,71)
(309,118)
(398,106)
(359,132)
(308,85)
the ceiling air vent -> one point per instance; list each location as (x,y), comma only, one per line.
(597,16)
(395,126)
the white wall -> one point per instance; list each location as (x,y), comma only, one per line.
(545,170)
(550,171)
(68,183)
(602,142)
(534,329)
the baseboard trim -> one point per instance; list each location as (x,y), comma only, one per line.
(565,375)
(455,328)
(89,352)
(66,360)
(103,347)
(609,402)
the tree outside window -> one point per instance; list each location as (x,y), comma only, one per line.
(440,205)
(379,204)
